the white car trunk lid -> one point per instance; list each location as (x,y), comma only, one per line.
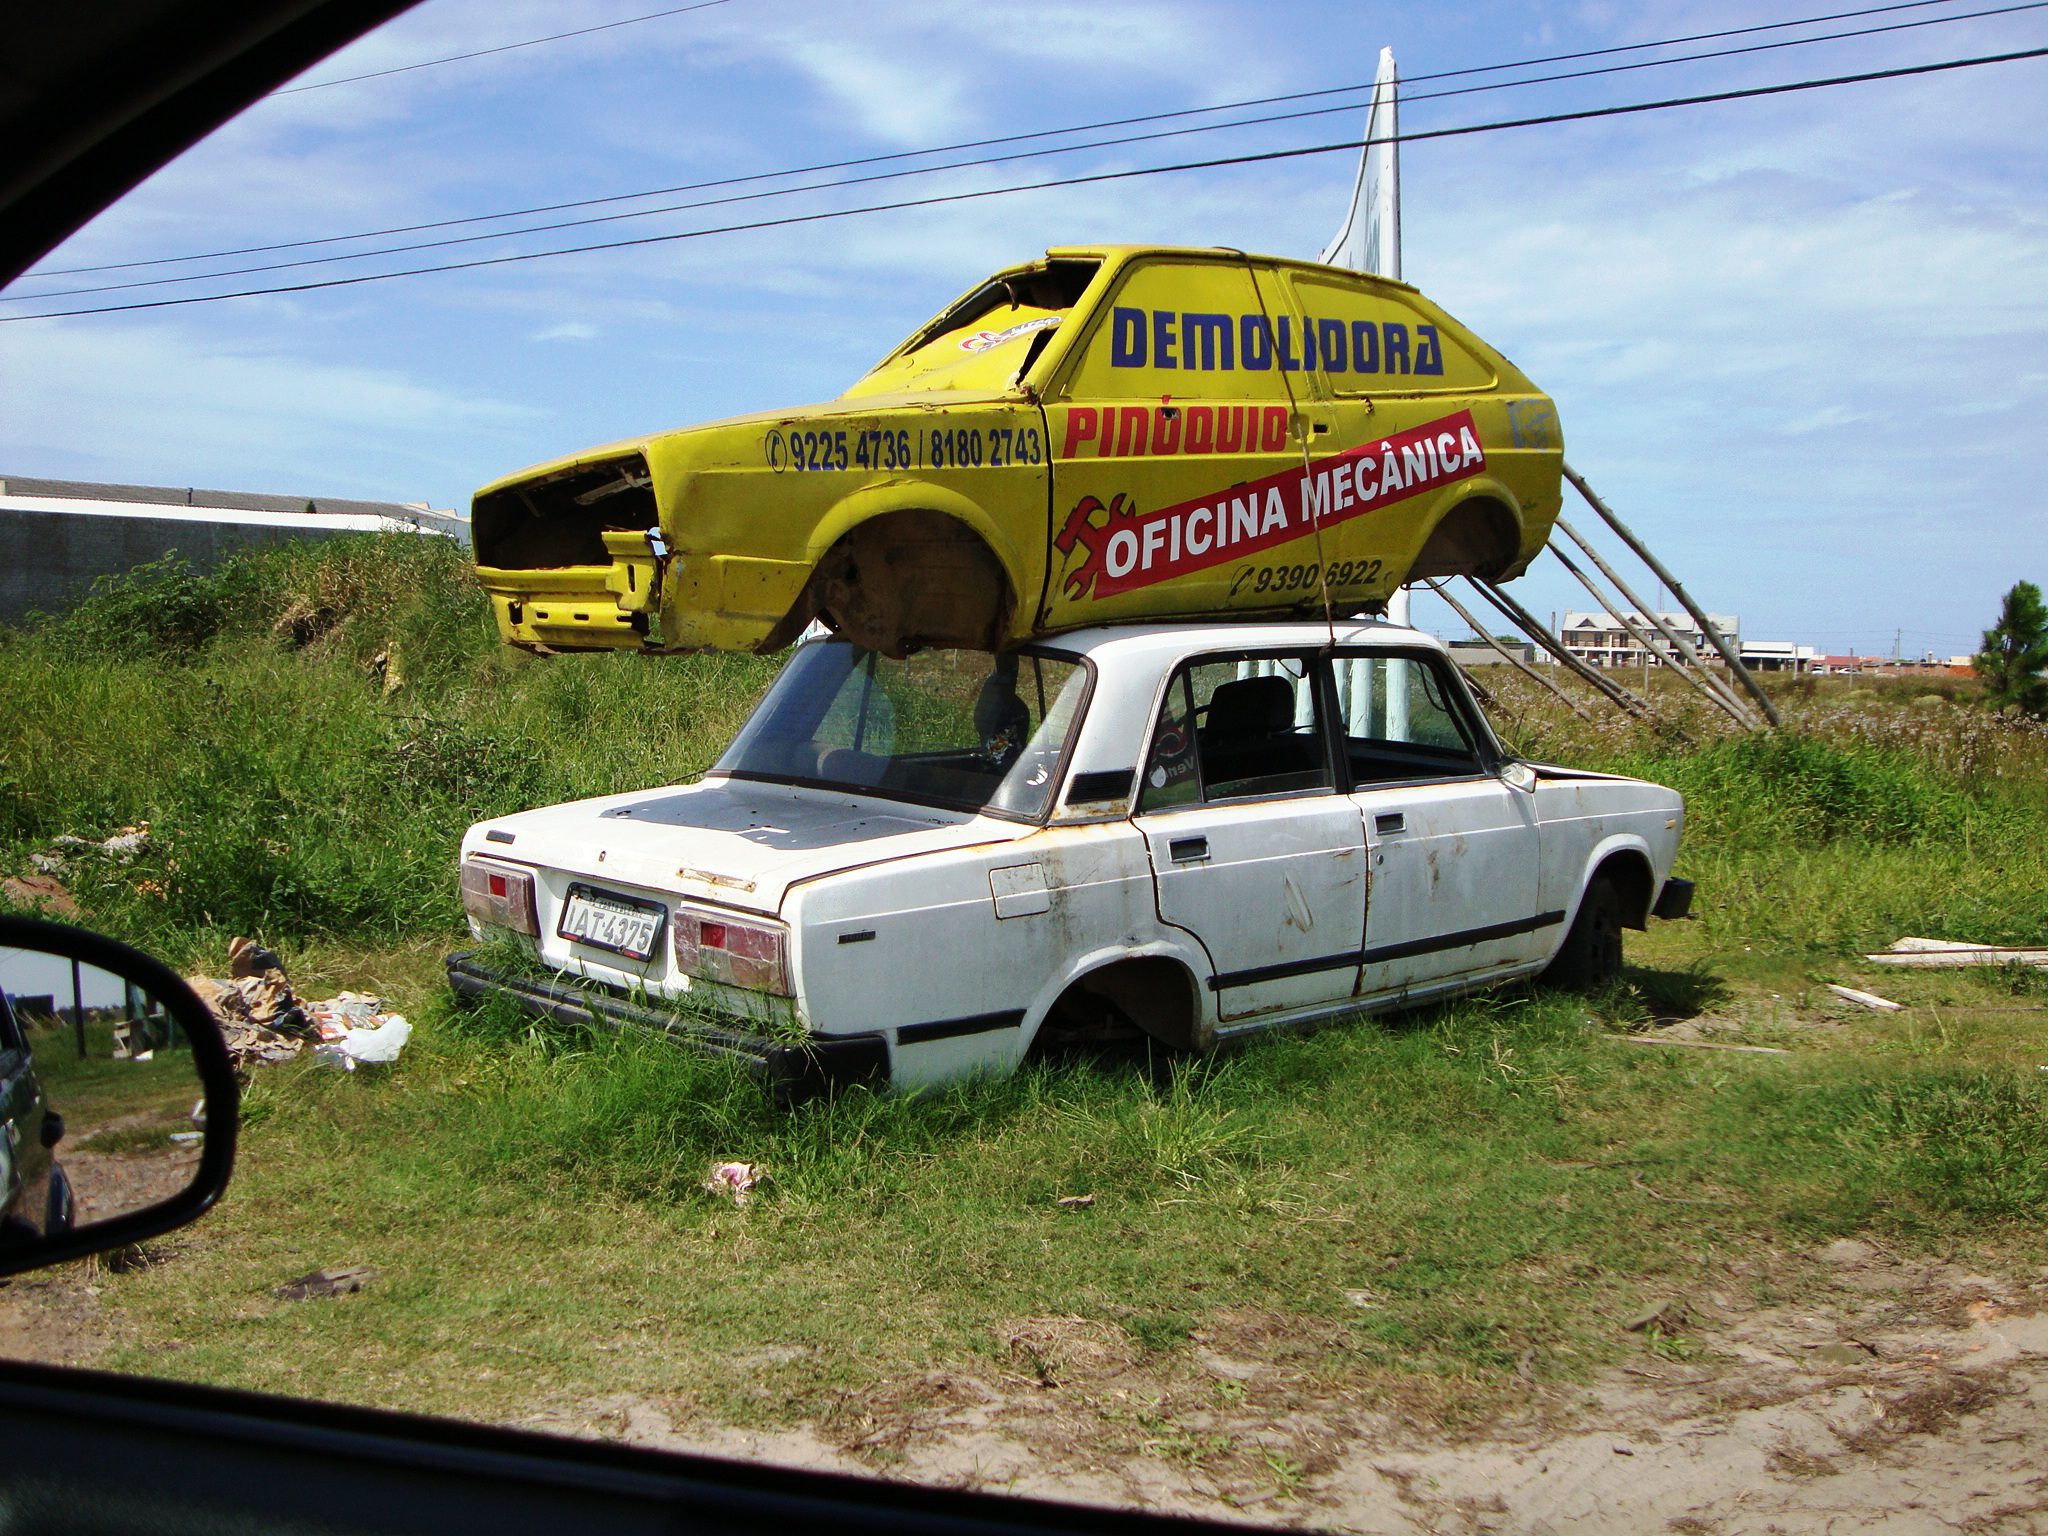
(738,842)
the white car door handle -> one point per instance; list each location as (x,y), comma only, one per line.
(1187,849)
(1389,821)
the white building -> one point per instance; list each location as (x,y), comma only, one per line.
(1779,656)
(1601,640)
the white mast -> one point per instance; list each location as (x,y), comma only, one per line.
(1370,241)
(1370,238)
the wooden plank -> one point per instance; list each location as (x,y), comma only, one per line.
(1939,959)
(1868,1000)
(1700,1045)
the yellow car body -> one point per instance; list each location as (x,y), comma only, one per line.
(1110,433)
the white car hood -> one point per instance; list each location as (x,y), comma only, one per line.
(738,842)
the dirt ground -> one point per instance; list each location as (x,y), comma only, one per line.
(1901,1398)
(1914,1400)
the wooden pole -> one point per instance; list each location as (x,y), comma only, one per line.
(1741,716)
(1534,629)
(1680,642)
(1642,551)
(1506,655)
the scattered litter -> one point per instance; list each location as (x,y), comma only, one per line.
(733,1180)
(355,1031)
(1075,1202)
(1868,1000)
(124,847)
(367,1044)
(326,1282)
(1666,1315)
(187,1138)
(263,1019)
(1370,1300)
(1942,953)
(248,958)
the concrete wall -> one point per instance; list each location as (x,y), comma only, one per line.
(57,536)
(50,559)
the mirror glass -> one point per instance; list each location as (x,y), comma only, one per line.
(103,1110)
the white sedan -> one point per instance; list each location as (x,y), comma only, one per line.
(915,870)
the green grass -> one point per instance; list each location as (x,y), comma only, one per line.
(1421,1207)
(1490,1173)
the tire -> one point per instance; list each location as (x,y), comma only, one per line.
(1591,953)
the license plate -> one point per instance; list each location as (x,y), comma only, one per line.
(622,924)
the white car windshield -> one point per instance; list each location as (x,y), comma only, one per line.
(954,728)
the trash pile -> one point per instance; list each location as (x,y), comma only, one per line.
(734,1181)
(49,886)
(263,1020)
(122,848)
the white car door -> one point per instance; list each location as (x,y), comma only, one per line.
(1454,848)
(1254,849)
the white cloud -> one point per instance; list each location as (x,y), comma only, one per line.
(1827,419)
(569,330)
(171,406)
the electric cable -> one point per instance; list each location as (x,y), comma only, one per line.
(1122,122)
(1587,114)
(484,53)
(988,160)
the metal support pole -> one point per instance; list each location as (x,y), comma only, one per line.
(1742,716)
(1507,655)
(1622,532)
(78,1009)
(1684,647)
(1527,621)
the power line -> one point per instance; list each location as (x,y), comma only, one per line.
(483,53)
(1583,115)
(986,160)
(1045,133)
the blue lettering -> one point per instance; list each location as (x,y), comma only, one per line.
(1255,343)
(1127,338)
(1330,339)
(1365,346)
(1206,339)
(1397,347)
(1429,354)
(1289,363)
(1162,339)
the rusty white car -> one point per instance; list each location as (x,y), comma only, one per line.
(920,869)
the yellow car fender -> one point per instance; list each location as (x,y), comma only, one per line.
(1488,491)
(871,502)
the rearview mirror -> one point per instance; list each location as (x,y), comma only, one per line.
(117,1098)
(1518,775)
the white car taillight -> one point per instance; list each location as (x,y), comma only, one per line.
(492,893)
(714,947)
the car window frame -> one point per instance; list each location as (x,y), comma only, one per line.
(1486,747)
(1319,691)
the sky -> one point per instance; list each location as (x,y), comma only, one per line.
(1799,342)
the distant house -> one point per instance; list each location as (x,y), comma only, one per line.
(1778,656)
(1603,640)
(61,534)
